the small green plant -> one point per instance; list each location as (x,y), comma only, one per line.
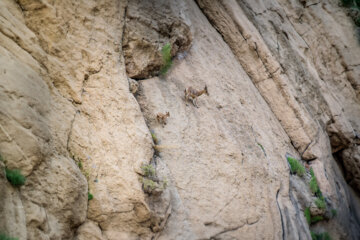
(15,177)
(326,236)
(316,219)
(313,235)
(296,167)
(166,57)
(3,236)
(80,165)
(148,170)
(320,202)
(154,137)
(314,187)
(1,158)
(307,215)
(333,213)
(90,196)
(149,185)
(320,236)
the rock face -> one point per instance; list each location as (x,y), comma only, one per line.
(283,79)
(148,27)
(65,98)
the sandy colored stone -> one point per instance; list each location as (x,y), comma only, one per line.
(282,78)
(54,55)
(147,31)
(89,231)
(351,160)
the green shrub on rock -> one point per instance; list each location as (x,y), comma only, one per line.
(166,56)
(296,167)
(314,187)
(15,177)
(3,236)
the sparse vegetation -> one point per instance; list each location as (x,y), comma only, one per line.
(80,165)
(90,196)
(333,213)
(320,236)
(149,185)
(307,215)
(148,170)
(154,137)
(1,158)
(314,187)
(15,177)
(166,57)
(296,167)
(3,236)
(320,202)
(316,219)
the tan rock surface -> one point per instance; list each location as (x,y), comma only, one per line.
(89,231)
(65,95)
(283,78)
(230,187)
(149,26)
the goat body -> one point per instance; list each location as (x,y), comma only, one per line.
(161,118)
(193,94)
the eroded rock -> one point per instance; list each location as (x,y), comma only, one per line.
(351,160)
(147,30)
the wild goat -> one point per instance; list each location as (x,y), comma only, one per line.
(161,118)
(191,93)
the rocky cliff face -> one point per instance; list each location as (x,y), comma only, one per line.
(283,80)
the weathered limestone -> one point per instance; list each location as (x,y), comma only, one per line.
(283,78)
(148,27)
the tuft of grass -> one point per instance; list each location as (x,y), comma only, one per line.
(166,57)
(314,187)
(15,177)
(333,213)
(320,236)
(154,138)
(307,215)
(149,185)
(296,167)
(1,158)
(90,196)
(326,236)
(3,236)
(313,235)
(316,219)
(148,170)
(80,165)
(320,202)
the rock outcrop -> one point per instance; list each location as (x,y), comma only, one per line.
(80,90)
(148,27)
